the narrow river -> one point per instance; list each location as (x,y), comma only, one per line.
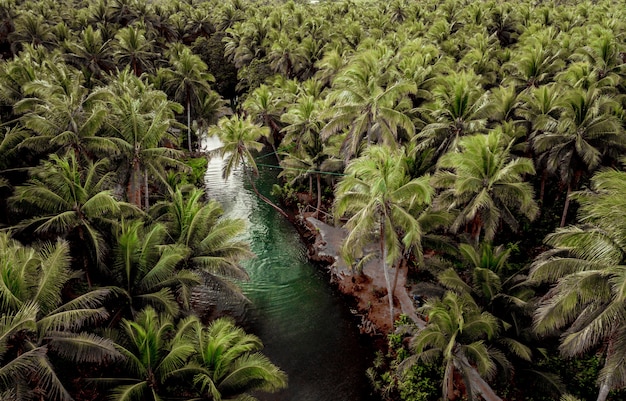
(306,328)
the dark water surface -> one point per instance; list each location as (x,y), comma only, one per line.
(306,328)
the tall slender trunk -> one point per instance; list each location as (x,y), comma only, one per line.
(146,195)
(189,122)
(566,207)
(134,185)
(319,195)
(383,251)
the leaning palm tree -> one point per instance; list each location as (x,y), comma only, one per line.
(379,197)
(485,183)
(586,270)
(39,324)
(456,333)
(239,138)
(230,365)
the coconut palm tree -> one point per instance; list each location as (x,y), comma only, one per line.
(585,271)
(39,325)
(142,121)
(201,227)
(230,365)
(155,350)
(368,105)
(456,333)
(147,270)
(132,48)
(66,116)
(485,183)
(379,197)
(460,108)
(587,133)
(187,80)
(73,202)
(91,53)
(239,138)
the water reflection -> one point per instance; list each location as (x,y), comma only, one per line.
(306,329)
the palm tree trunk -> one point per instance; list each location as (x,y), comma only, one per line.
(319,195)
(383,251)
(475,380)
(189,122)
(266,200)
(146,195)
(566,207)
(604,391)
(448,382)
(133,192)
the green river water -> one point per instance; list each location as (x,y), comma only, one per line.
(305,326)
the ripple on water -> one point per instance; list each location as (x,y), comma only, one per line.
(305,328)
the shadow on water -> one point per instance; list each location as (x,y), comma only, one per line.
(306,328)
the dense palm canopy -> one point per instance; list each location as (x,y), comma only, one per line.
(480,96)
(585,267)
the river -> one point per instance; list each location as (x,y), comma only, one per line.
(305,326)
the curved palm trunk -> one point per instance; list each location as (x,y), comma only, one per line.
(383,251)
(265,199)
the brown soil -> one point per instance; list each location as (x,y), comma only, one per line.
(367,287)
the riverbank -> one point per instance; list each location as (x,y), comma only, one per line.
(367,288)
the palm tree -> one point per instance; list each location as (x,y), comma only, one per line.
(188,80)
(456,332)
(38,323)
(379,197)
(585,270)
(71,202)
(155,350)
(91,53)
(66,116)
(31,29)
(303,134)
(132,48)
(147,270)
(486,184)
(230,365)
(587,133)
(239,138)
(141,121)
(215,249)
(460,108)
(367,105)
